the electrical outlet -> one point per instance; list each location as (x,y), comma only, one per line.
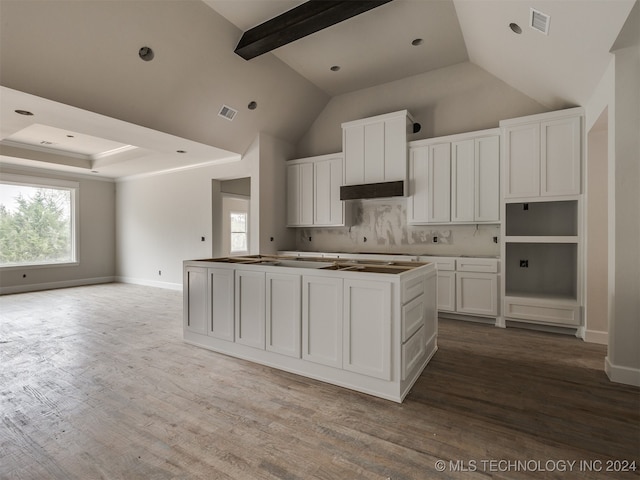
(159,273)
(434,239)
(524,263)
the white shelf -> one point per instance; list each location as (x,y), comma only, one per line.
(552,297)
(541,239)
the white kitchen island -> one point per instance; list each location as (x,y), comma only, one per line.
(365,325)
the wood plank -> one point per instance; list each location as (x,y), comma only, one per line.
(96,382)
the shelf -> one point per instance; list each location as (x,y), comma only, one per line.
(542,219)
(541,239)
(554,298)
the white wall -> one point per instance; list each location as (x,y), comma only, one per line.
(457,99)
(96,254)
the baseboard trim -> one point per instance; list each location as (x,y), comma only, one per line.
(36,287)
(150,283)
(619,374)
(596,336)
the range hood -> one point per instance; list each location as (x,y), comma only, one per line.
(372,190)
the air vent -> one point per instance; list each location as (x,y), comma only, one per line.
(539,21)
(227,112)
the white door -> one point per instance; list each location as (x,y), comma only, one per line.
(250,308)
(560,157)
(418,200)
(195,299)
(447,291)
(522,161)
(477,293)
(487,181)
(439,208)
(463,181)
(367,328)
(283,321)
(322,320)
(327,207)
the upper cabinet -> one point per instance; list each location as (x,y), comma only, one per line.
(455,179)
(543,154)
(375,148)
(313,191)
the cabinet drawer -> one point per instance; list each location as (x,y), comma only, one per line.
(447,264)
(412,317)
(554,312)
(413,352)
(411,289)
(484,265)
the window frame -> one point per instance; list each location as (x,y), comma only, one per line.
(53,183)
(231,232)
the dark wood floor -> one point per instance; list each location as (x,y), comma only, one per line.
(96,383)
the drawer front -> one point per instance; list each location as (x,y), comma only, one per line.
(413,352)
(447,264)
(555,313)
(412,317)
(411,289)
(483,265)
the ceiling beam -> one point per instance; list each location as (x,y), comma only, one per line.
(299,22)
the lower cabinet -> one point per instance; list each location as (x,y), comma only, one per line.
(250,308)
(196,301)
(446,291)
(367,328)
(477,293)
(221,292)
(322,320)
(283,326)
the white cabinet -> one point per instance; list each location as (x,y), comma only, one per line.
(250,308)
(313,191)
(283,316)
(367,328)
(375,148)
(195,299)
(322,320)
(300,194)
(446,291)
(543,154)
(455,179)
(477,293)
(221,303)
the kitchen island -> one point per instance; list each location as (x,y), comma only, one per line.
(366,325)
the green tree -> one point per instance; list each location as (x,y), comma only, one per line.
(39,230)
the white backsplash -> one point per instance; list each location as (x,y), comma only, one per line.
(381,226)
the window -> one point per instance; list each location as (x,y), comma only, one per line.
(239,241)
(37,221)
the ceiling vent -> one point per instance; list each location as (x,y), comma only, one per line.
(227,112)
(539,21)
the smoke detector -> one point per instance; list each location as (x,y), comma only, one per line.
(539,21)
(227,112)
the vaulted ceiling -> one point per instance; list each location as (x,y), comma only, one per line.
(85,55)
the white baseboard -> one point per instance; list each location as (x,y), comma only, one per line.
(596,336)
(150,283)
(619,374)
(35,287)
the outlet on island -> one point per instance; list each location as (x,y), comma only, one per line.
(524,263)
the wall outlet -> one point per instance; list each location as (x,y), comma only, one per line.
(524,263)
(159,273)
(434,239)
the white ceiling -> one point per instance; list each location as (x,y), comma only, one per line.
(82,56)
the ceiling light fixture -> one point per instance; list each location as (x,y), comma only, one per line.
(23,112)
(146,54)
(335,68)
(417,41)
(515,28)
(252,105)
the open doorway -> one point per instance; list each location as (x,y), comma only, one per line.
(231,217)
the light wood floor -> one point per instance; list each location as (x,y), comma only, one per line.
(96,383)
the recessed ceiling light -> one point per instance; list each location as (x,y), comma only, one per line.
(145,53)
(417,41)
(252,105)
(23,112)
(181,151)
(515,28)
(335,68)
(71,136)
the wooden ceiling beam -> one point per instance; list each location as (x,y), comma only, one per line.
(303,20)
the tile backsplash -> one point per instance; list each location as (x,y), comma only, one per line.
(381,226)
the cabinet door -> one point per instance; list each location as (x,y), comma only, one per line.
(560,157)
(418,200)
(463,181)
(487,181)
(395,149)
(477,293)
(522,161)
(327,207)
(322,320)
(306,194)
(293,195)
(283,314)
(195,299)
(374,152)
(250,308)
(221,293)
(439,178)
(447,291)
(367,328)
(353,142)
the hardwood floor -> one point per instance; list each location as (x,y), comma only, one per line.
(96,383)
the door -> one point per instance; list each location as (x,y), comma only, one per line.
(221,287)
(463,181)
(487,181)
(418,201)
(446,291)
(322,320)
(439,181)
(367,328)
(560,157)
(522,161)
(250,308)
(283,321)
(195,299)
(477,293)
(327,207)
